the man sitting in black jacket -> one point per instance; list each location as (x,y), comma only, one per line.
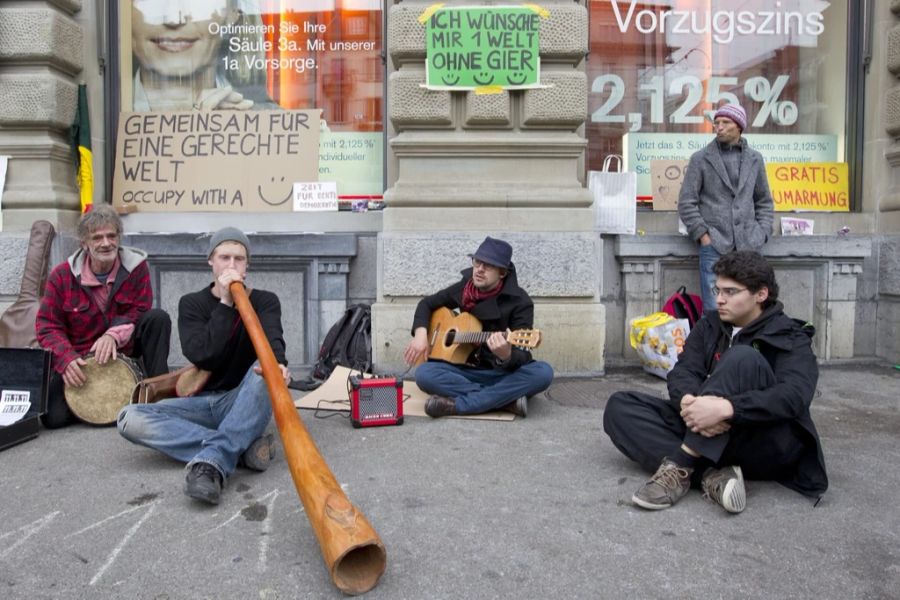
(738,401)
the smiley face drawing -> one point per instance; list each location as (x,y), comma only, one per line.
(516,78)
(483,78)
(448,80)
(274,183)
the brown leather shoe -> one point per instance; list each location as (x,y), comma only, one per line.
(440,406)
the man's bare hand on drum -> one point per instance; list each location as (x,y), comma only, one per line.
(73,376)
(223,283)
(104,349)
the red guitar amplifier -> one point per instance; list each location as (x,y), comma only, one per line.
(377,401)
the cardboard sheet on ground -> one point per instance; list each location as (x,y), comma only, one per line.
(332,395)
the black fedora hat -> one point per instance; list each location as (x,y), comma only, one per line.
(494,252)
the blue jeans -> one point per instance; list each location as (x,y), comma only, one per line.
(708,257)
(211,427)
(482,390)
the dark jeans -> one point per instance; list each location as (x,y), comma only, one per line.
(647,429)
(151,346)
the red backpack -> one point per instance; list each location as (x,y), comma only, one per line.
(682,305)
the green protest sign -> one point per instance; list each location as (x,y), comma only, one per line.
(483,46)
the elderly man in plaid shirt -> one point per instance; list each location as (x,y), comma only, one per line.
(99,301)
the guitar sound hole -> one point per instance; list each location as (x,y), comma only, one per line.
(448,339)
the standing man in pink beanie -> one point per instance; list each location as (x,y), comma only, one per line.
(725,202)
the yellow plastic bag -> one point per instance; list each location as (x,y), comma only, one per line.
(639,326)
(658,339)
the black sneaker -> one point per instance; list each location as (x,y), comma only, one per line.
(440,406)
(518,407)
(204,483)
(665,488)
(725,487)
(260,453)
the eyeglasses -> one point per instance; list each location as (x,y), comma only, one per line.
(727,292)
(477,264)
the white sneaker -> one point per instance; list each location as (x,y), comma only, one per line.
(518,407)
(725,486)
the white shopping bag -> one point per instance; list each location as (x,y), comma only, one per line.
(615,198)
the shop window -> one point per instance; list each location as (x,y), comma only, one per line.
(657,71)
(272,54)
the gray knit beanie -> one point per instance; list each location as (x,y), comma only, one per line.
(228,234)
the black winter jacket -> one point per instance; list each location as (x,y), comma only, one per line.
(214,338)
(785,343)
(511,309)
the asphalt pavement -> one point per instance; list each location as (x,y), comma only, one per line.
(534,508)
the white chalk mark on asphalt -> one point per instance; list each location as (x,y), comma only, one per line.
(29,530)
(102,521)
(266,531)
(232,518)
(115,553)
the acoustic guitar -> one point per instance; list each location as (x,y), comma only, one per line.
(452,337)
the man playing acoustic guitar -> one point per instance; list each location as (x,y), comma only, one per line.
(497,374)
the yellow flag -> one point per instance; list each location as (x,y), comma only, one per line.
(81,143)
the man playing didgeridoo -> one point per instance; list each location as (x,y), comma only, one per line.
(224,424)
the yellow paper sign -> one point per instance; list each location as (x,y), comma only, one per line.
(822,187)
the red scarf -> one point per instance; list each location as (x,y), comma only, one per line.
(472,295)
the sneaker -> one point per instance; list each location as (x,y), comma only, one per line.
(260,453)
(725,486)
(518,407)
(204,483)
(665,488)
(440,406)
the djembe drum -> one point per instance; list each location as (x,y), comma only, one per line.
(107,390)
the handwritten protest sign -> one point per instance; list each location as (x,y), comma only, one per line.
(796,226)
(809,186)
(316,196)
(482,47)
(214,160)
(667,176)
(821,187)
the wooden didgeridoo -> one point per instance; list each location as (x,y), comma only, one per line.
(353,552)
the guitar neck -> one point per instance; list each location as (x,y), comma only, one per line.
(473,337)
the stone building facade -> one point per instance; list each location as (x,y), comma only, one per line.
(463,165)
(459,166)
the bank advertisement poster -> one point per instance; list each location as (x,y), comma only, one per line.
(640,150)
(269,55)
(658,71)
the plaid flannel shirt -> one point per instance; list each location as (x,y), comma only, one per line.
(69,321)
